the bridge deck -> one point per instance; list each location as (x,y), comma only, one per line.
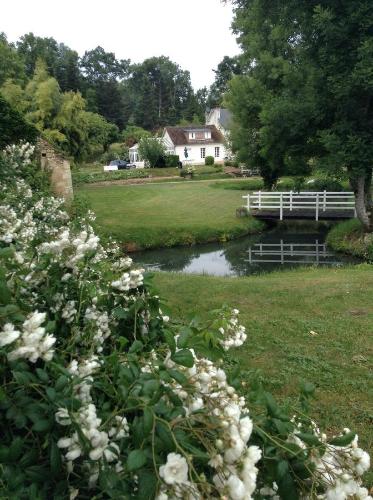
(301,214)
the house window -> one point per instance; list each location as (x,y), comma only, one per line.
(217,152)
(203,152)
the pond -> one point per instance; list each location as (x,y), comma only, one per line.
(288,245)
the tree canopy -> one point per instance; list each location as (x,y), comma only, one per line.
(305,97)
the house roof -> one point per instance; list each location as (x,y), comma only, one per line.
(179,135)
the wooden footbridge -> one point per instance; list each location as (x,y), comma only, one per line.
(302,205)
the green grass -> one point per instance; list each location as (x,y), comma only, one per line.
(146,216)
(348,237)
(279,310)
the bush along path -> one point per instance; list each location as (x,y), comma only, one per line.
(103,396)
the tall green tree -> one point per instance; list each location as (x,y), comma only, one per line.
(159,92)
(11,64)
(310,64)
(102,74)
(226,69)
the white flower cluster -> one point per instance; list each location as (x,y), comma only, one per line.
(132,279)
(234,333)
(32,343)
(232,459)
(340,468)
(100,320)
(89,424)
(19,155)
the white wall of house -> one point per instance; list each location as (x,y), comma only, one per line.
(196,156)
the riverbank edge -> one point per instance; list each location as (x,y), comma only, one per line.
(188,238)
(348,237)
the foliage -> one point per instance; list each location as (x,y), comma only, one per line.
(152,151)
(132,135)
(13,127)
(159,93)
(226,69)
(112,399)
(349,237)
(209,160)
(172,160)
(306,96)
(84,177)
(11,65)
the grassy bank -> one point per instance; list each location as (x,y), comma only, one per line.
(164,215)
(348,237)
(279,311)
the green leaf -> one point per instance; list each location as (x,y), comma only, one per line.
(309,439)
(170,340)
(42,374)
(178,376)
(137,346)
(5,295)
(55,458)
(184,335)
(147,485)
(136,459)
(61,383)
(183,357)
(148,420)
(42,426)
(51,393)
(344,440)
(15,449)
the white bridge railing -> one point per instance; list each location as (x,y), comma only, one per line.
(321,201)
(286,253)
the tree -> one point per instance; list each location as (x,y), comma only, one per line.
(15,95)
(132,134)
(312,64)
(11,65)
(13,126)
(157,93)
(102,73)
(226,69)
(152,150)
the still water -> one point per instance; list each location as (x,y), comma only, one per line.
(286,246)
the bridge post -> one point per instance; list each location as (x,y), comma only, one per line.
(317,207)
(248,203)
(291,201)
(260,200)
(281,207)
(324,203)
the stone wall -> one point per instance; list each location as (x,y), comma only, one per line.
(59,169)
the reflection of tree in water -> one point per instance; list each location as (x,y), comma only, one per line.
(232,257)
(168,259)
(236,252)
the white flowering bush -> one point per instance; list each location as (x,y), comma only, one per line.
(103,396)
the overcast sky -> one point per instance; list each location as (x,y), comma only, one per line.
(193,33)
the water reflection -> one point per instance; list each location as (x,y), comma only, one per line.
(279,248)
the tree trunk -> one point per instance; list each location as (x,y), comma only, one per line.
(360,204)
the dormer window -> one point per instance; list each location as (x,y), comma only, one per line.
(207,134)
(191,135)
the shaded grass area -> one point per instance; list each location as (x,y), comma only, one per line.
(279,310)
(164,215)
(348,237)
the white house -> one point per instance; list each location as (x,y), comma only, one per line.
(192,143)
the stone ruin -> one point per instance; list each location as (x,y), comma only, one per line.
(59,169)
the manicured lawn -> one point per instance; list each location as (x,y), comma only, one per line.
(279,310)
(145,216)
